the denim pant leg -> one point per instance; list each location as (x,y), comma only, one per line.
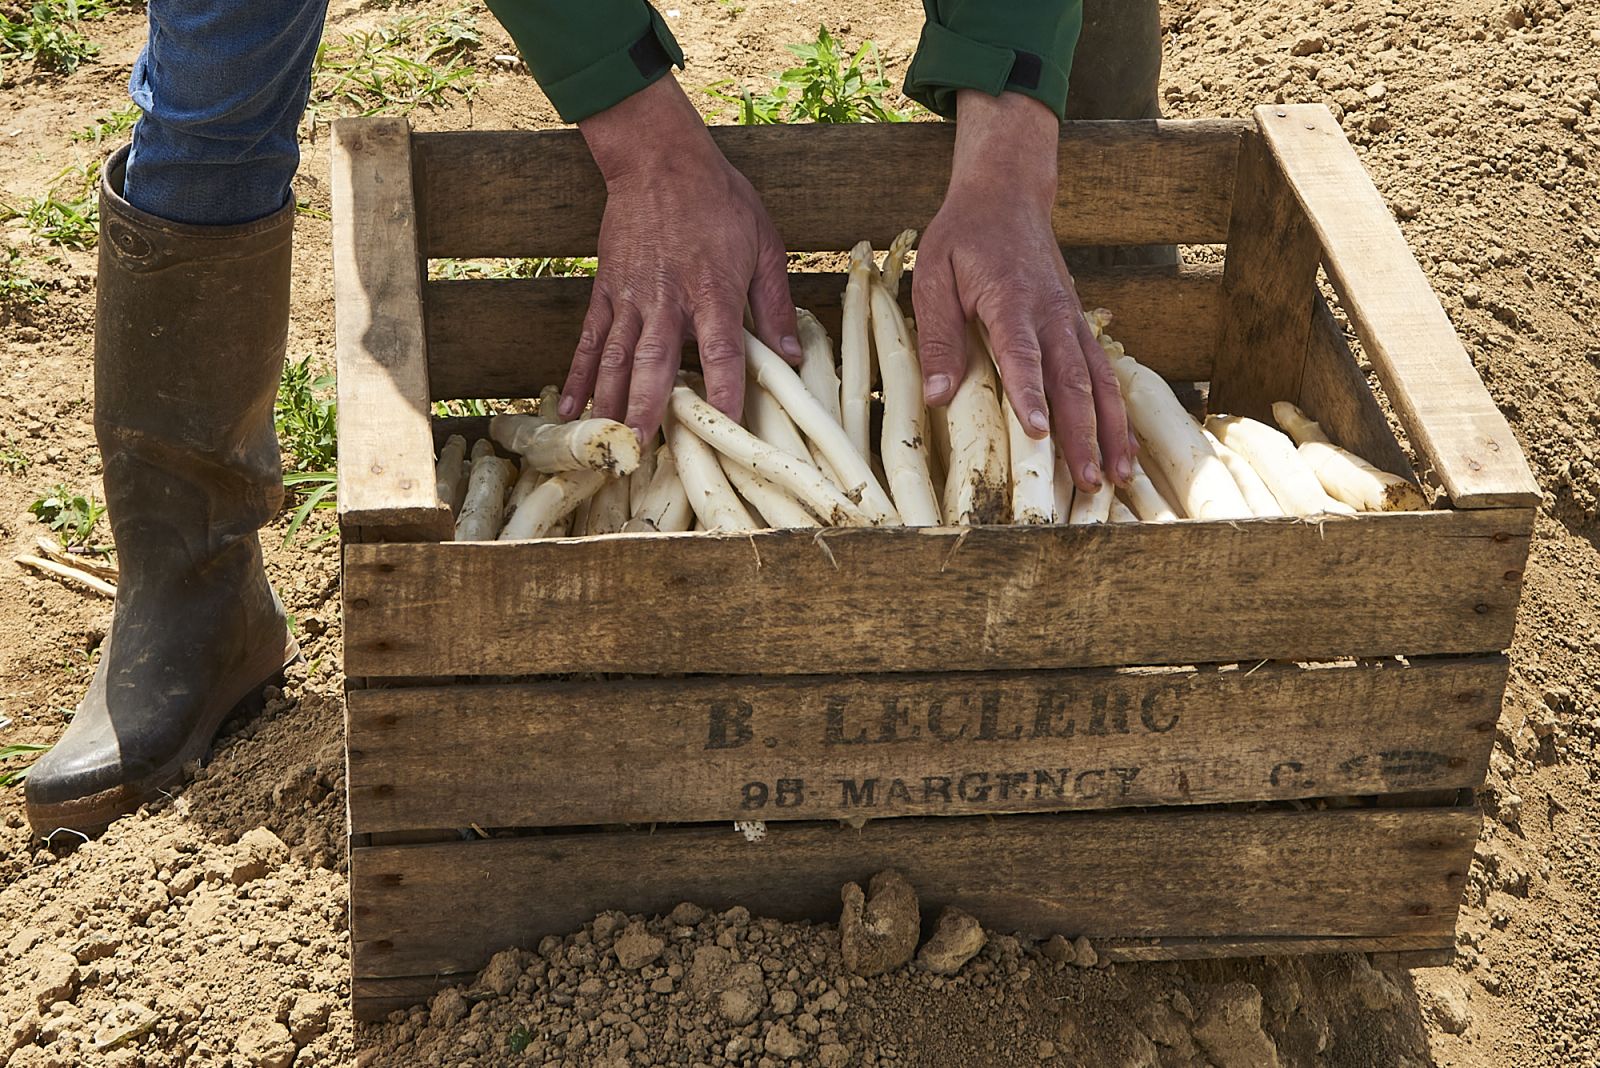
(222,84)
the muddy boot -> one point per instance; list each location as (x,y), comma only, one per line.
(1116,74)
(189,342)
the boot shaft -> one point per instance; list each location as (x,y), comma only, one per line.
(190,329)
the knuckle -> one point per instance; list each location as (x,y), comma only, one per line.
(615,358)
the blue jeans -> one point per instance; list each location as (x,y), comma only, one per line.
(223,85)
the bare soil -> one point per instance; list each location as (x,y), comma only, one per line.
(211,927)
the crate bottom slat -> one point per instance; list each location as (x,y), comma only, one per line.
(1250,878)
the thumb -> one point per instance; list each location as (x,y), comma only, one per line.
(941,329)
(770,303)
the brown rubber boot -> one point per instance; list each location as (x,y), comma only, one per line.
(1116,74)
(189,342)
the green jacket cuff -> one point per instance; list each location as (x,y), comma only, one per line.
(1024,46)
(588,56)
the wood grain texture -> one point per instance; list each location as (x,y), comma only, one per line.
(1335,393)
(939,599)
(1268,284)
(386,475)
(446,908)
(372,999)
(1447,412)
(507,338)
(515,193)
(709,749)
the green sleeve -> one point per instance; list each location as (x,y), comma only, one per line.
(589,54)
(1023,46)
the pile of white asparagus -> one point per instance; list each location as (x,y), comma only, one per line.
(804,456)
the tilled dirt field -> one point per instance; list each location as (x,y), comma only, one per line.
(211,928)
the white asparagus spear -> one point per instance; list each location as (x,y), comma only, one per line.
(1093,507)
(798,477)
(596,444)
(550,404)
(486,499)
(1256,493)
(608,508)
(639,481)
(1149,504)
(514,432)
(460,498)
(447,472)
(978,474)
(527,481)
(710,495)
(552,503)
(1273,456)
(768,421)
(1344,475)
(1121,513)
(777,506)
(665,506)
(855,354)
(1033,463)
(855,476)
(905,418)
(816,363)
(1297,424)
(894,261)
(481,448)
(1065,490)
(1173,442)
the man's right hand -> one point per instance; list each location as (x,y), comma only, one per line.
(684,244)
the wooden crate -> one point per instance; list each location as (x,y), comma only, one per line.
(1151,711)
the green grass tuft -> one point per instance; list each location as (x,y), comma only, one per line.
(414,62)
(830,85)
(70,515)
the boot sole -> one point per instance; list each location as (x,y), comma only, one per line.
(92,814)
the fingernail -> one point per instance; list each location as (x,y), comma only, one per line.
(1124,470)
(1091,474)
(568,407)
(790,346)
(1038,420)
(936,388)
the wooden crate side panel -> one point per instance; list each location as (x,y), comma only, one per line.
(507,338)
(513,193)
(372,999)
(939,599)
(855,747)
(446,908)
(1334,392)
(1427,374)
(1268,285)
(386,476)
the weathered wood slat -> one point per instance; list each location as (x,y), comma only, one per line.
(1268,285)
(386,475)
(1235,874)
(1447,412)
(507,193)
(1334,392)
(508,338)
(939,599)
(708,749)
(373,999)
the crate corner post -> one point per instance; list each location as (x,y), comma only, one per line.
(386,474)
(1424,368)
